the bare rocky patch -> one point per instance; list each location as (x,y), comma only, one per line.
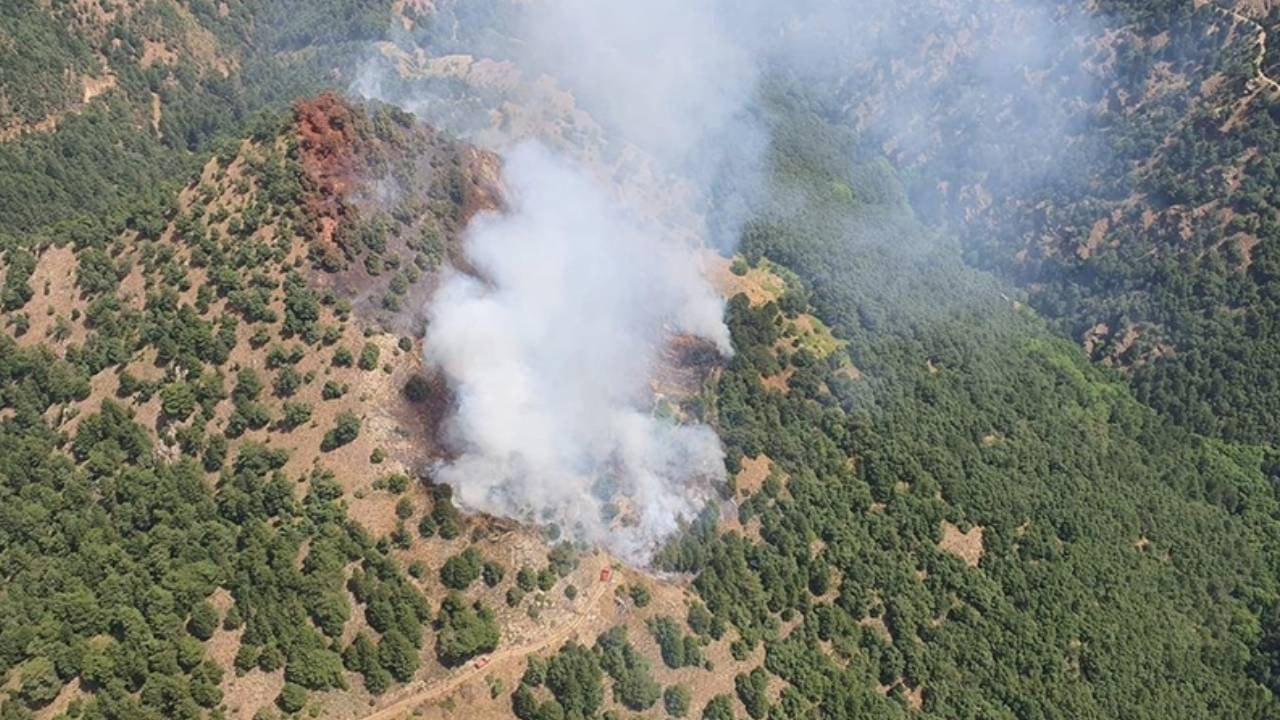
(965,545)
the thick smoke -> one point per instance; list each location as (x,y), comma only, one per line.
(550,351)
(551,345)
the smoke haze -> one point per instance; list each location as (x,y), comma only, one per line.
(550,349)
(551,345)
(550,355)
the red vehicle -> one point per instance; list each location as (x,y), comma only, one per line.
(606,573)
(481,662)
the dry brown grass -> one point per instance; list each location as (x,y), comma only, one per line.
(56,299)
(965,545)
(244,695)
(753,474)
(759,284)
(156,52)
(71,691)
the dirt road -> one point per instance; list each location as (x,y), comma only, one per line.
(428,692)
(1262,43)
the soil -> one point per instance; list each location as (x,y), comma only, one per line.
(965,545)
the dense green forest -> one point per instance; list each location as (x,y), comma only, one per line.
(1125,180)
(110,553)
(1130,562)
(227,65)
(1132,565)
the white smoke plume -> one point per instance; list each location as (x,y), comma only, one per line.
(550,351)
(551,348)
(551,345)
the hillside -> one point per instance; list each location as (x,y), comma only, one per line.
(215,389)
(102,100)
(998,423)
(233,381)
(981,489)
(1124,181)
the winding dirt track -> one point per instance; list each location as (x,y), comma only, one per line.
(428,692)
(1262,43)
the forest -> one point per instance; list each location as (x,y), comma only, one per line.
(1131,197)
(1030,471)
(1131,563)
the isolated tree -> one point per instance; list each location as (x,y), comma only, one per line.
(417,389)
(676,699)
(464,631)
(315,669)
(719,707)
(575,678)
(369,356)
(459,571)
(177,400)
(346,427)
(492,573)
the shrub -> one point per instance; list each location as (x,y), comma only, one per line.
(398,656)
(426,526)
(526,578)
(670,639)
(459,571)
(464,631)
(719,707)
(676,699)
(492,573)
(292,698)
(394,483)
(178,400)
(752,689)
(345,429)
(248,386)
(315,669)
(295,415)
(417,389)
(215,454)
(332,390)
(369,356)
(575,679)
(287,382)
(203,621)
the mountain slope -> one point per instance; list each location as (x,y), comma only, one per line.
(1123,179)
(983,526)
(217,434)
